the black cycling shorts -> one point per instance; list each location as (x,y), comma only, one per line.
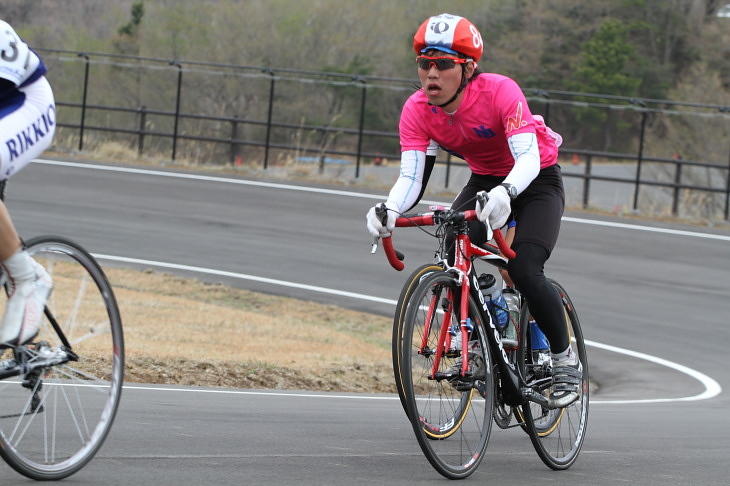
(537,210)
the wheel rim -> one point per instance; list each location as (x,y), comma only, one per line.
(558,434)
(453,421)
(55,422)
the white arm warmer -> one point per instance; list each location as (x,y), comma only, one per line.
(406,189)
(527,160)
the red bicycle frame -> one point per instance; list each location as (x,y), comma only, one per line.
(464,255)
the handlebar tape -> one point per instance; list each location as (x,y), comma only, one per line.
(394,258)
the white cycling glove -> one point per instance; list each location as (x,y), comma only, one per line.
(496,211)
(375,226)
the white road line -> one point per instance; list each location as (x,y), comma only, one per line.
(378,197)
(637,227)
(712,387)
(244,276)
(260,393)
(198,177)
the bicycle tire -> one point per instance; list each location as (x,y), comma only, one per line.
(400,310)
(54,421)
(407,290)
(452,422)
(411,284)
(558,434)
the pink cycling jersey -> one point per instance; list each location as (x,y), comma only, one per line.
(493,108)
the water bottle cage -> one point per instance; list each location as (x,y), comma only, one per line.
(493,309)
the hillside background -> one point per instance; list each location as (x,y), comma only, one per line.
(662,49)
(676,50)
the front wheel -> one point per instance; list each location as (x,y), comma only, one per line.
(400,311)
(54,419)
(557,434)
(451,415)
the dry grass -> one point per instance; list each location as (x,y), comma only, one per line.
(184,331)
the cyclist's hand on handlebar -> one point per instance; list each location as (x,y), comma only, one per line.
(497,208)
(380,225)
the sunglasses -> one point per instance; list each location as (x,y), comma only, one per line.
(441,63)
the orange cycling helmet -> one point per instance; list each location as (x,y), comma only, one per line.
(451,34)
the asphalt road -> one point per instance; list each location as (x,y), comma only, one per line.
(653,300)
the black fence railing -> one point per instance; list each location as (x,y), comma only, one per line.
(163,116)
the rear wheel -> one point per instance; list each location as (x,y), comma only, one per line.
(55,418)
(451,414)
(557,434)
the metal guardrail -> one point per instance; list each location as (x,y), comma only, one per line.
(140,131)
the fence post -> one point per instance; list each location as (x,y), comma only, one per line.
(361,128)
(142,123)
(83,101)
(677,180)
(587,181)
(177,107)
(234,138)
(727,189)
(640,155)
(269,117)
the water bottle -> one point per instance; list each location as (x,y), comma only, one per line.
(538,341)
(512,297)
(540,346)
(495,299)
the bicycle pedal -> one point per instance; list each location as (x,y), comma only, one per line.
(36,404)
(448,376)
(30,382)
(465,386)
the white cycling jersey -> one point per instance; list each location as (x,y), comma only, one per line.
(27,107)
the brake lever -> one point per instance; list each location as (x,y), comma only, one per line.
(482,198)
(375,245)
(382,213)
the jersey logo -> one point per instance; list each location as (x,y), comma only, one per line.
(515,122)
(484,132)
(32,134)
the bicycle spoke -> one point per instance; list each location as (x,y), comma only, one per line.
(451,420)
(61,407)
(557,434)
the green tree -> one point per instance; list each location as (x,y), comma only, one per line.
(128,41)
(603,67)
(130,29)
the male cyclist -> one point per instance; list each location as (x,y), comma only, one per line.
(484,117)
(27,125)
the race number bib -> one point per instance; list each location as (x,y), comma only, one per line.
(17,61)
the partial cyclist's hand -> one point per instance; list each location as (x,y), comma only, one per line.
(375,225)
(496,211)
